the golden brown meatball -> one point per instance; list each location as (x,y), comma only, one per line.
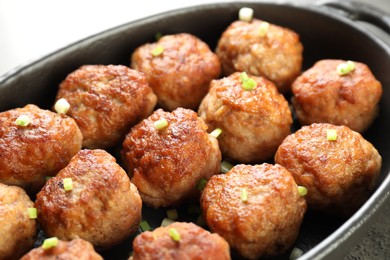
(30,153)
(321,95)
(276,55)
(338,174)
(106,101)
(193,243)
(77,249)
(103,207)
(257,209)
(17,231)
(166,164)
(253,122)
(181,73)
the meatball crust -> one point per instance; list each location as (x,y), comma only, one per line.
(17,231)
(103,207)
(339,175)
(194,243)
(268,222)
(253,122)
(65,250)
(277,55)
(106,101)
(321,95)
(30,153)
(166,164)
(181,74)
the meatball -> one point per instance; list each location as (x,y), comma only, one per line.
(30,153)
(254,122)
(166,164)
(103,207)
(193,243)
(70,250)
(179,68)
(275,53)
(338,174)
(106,101)
(257,209)
(321,95)
(17,231)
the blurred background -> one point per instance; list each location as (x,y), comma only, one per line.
(32,29)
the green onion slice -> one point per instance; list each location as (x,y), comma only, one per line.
(345,68)
(158,36)
(216,132)
(226,166)
(174,234)
(331,135)
(157,51)
(172,214)
(166,222)
(61,106)
(247,83)
(263,29)
(23,120)
(296,253)
(245,14)
(201,184)
(144,225)
(68,184)
(32,213)
(302,190)
(244,195)
(49,243)
(161,124)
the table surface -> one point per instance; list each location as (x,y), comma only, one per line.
(32,29)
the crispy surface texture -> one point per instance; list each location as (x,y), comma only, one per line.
(277,55)
(76,249)
(264,225)
(339,175)
(254,122)
(166,164)
(103,207)
(321,95)
(106,101)
(17,231)
(30,153)
(194,243)
(181,74)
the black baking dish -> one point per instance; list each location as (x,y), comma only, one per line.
(325,33)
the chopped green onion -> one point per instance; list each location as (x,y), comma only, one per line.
(302,190)
(331,134)
(194,209)
(172,214)
(160,124)
(68,184)
(296,253)
(61,106)
(226,166)
(216,132)
(174,234)
(166,222)
(200,221)
(49,243)
(158,36)
(157,51)
(201,184)
(244,195)
(144,225)
(263,29)
(247,82)
(345,68)
(245,14)
(32,213)
(23,120)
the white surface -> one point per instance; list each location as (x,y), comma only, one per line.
(30,29)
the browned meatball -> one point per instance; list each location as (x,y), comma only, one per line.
(166,164)
(103,207)
(181,73)
(254,122)
(30,153)
(65,250)
(106,101)
(277,55)
(321,95)
(339,175)
(17,231)
(257,209)
(193,243)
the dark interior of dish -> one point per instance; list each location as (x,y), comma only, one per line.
(322,35)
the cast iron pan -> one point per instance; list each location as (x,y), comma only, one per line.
(326,31)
